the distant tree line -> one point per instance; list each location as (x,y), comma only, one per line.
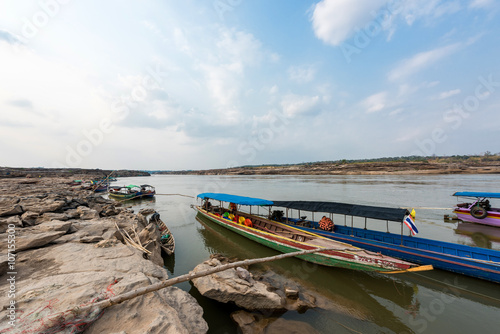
(487,156)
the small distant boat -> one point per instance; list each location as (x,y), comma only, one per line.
(167,238)
(479,210)
(76,183)
(132,192)
(287,239)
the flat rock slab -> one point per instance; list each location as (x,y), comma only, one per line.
(11,211)
(37,240)
(65,276)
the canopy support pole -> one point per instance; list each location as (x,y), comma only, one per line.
(287,215)
(401,233)
(387,225)
(313,215)
(365,223)
(352,226)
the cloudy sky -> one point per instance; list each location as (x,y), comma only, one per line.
(208,84)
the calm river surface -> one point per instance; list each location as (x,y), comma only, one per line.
(352,301)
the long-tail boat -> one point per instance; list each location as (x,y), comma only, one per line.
(479,210)
(132,192)
(287,239)
(467,260)
(167,241)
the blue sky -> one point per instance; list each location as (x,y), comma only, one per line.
(211,84)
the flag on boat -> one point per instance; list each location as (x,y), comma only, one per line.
(411,224)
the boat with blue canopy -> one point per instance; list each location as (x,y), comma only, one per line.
(479,210)
(286,239)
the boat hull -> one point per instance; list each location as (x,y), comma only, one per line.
(349,260)
(121,196)
(471,261)
(492,219)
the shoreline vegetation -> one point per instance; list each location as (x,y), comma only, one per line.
(474,164)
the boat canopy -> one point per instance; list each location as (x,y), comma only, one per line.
(476,194)
(374,212)
(130,186)
(235,199)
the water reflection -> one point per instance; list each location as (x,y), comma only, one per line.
(480,235)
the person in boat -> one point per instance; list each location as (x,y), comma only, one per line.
(233,208)
(207,205)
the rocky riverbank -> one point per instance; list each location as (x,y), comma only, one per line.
(373,168)
(60,249)
(75,173)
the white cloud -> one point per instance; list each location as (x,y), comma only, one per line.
(294,105)
(302,74)
(411,11)
(445,95)
(336,20)
(420,61)
(481,3)
(375,102)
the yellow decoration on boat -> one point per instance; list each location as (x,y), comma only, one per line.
(413,213)
(241,220)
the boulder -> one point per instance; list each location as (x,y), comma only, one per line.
(109,211)
(112,234)
(253,323)
(48,216)
(36,240)
(86,213)
(41,206)
(5,222)
(55,225)
(29,218)
(226,286)
(11,211)
(72,213)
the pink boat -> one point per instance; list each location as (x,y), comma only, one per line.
(478,211)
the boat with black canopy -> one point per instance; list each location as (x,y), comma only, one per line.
(286,239)
(472,261)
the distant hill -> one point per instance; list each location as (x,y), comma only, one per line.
(457,164)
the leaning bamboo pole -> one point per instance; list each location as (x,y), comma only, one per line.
(78,312)
(183,278)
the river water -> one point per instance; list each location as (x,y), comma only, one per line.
(351,301)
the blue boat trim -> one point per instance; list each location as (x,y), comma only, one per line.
(476,194)
(472,261)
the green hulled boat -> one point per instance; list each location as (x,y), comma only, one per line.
(287,239)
